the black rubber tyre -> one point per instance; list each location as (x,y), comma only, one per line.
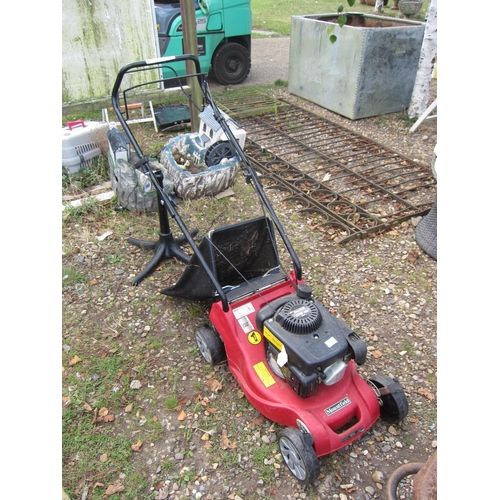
(231,63)
(210,345)
(426,233)
(217,152)
(394,405)
(299,455)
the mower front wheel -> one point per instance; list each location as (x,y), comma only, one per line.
(299,455)
(394,405)
(210,345)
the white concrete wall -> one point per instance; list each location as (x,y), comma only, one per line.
(99,37)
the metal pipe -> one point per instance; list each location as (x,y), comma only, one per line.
(395,478)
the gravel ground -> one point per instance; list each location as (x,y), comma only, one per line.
(384,287)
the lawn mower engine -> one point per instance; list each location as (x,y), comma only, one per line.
(305,344)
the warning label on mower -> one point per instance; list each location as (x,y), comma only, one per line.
(240,313)
(254,337)
(244,310)
(245,324)
(337,406)
(275,341)
(264,375)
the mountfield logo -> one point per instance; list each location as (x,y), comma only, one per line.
(337,406)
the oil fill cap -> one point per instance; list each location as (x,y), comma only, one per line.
(304,292)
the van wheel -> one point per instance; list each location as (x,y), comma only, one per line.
(231,63)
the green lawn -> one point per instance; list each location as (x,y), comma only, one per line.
(272,15)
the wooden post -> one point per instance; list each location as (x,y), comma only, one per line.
(190,44)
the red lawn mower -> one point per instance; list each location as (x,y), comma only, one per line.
(295,362)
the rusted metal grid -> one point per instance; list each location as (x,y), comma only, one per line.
(246,101)
(352,184)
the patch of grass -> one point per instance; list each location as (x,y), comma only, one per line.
(407,120)
(408,348)
(83,445)
(168,465)
(97,172)
(171,401)
(96,388)
(155,344)
(280,83)
(375,261)
(193,350)
(91,115)
(113,259)
(71,276)
(431,378)
(88,206)
(259,455)
(197,310)
(197,385)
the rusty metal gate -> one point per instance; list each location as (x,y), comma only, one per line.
(353,185)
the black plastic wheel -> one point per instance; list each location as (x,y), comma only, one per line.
(231,63)
(298,454)
(394,405)
(217,152)
(210,345)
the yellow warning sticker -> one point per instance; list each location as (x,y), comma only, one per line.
(254,337)
(264,375)
(269,336)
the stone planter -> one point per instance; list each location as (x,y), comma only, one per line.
(370,70)
(409,7)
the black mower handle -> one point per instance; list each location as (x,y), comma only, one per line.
(143,163)
(144,166)
(141,66)
(257,184)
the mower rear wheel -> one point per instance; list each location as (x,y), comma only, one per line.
(299,455)
(210,345)
(394,406)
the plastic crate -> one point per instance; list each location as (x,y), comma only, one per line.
(80,143)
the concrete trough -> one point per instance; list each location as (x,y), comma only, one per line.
(370,70)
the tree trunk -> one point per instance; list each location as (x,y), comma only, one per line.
(379,6)
(420,96)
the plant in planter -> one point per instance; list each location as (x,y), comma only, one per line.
(410,7)
(341,20)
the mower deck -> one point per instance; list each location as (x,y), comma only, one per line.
(335,416)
